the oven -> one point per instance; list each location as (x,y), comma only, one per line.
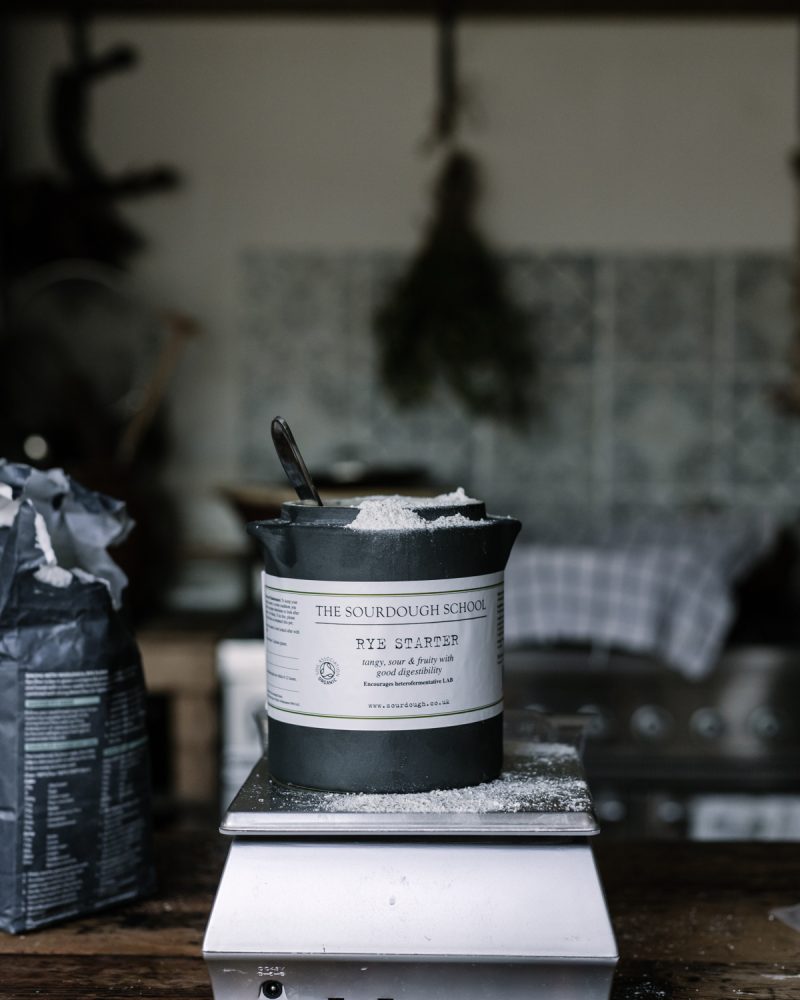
(668,757)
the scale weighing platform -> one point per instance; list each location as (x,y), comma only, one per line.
(486,892)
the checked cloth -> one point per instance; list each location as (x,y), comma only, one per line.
(662,588)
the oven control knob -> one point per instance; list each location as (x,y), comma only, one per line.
(764,723)
(597,724)
(609,807)
(652,723)
(707,723)
(670,811)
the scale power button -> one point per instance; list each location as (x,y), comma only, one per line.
(272,988)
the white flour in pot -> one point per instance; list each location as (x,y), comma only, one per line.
(398,513)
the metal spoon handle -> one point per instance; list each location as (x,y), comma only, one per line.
(292,461)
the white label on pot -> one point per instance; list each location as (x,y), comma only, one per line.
(419,654)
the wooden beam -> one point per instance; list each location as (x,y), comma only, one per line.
(632,9)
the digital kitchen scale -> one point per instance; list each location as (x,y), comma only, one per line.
(464,894)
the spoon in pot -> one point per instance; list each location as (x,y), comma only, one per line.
(292,461)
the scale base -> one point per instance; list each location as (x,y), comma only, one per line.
(517,919)
(431,897)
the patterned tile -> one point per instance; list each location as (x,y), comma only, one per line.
(765,446)
(638,422)
(664,308)
(558,291)
(436,437)
(552,457)
(662,431)
(294,354)
(762,303)
(372,281)
(300,292)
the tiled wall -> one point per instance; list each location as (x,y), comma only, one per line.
(655,383)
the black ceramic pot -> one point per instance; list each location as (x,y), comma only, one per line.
(384,647)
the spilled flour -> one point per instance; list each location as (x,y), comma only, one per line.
(551,781)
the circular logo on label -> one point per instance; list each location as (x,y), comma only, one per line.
(327,670)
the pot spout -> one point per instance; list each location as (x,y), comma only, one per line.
(277,545)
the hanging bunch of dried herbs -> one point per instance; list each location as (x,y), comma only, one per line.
(449,320)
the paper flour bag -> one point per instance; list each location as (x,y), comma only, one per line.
(75,827)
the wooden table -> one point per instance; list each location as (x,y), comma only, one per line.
(692,921)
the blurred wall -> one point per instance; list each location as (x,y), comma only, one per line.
(306,135)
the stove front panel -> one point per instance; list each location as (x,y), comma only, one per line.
(253,978)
